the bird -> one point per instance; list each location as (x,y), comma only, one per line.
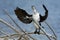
(26,18)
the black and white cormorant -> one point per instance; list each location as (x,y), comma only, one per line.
(24,17)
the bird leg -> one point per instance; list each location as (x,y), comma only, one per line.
(40,25)
(37,31)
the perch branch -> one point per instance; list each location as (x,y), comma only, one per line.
(18,35)
(18,25)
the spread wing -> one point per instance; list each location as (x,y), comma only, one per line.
(22,15)
(43,18)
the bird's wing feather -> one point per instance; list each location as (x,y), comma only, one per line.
(21,15)
(43,18)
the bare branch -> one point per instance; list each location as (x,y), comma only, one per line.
(51,29)
(9,25)
(4,33)
(24,32)
(43,30)
(22,35)
(17,25)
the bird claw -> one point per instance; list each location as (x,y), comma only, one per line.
(37,32)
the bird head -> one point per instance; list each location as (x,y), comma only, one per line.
(34,9)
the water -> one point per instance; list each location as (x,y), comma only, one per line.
(53,19)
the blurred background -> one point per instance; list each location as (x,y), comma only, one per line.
(53,7)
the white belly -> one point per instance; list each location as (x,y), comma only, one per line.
(36,17)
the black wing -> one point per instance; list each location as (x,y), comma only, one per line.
(21,15)
(43,18)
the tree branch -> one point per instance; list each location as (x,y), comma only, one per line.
(18,25)
(51,30)
(9,25)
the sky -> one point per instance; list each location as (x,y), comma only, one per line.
(53,19)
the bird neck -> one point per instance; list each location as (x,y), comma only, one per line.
(36,12)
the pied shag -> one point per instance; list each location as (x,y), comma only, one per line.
(24,17)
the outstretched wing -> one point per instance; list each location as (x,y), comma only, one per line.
(22,15)
(43,18)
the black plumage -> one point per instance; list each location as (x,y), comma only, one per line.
(22,15)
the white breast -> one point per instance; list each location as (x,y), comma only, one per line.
(36,17)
